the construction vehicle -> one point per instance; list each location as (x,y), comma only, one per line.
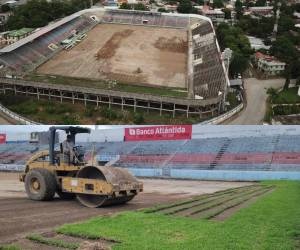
(66,173)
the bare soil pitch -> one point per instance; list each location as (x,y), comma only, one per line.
(132,54)
(20,216)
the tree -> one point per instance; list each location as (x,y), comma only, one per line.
(285,24)
(185,6)
(162,10)
(284,49)
(38,13)
(5,8)
(261,28)
(218,4)
(125,6)
(273,93)
(238,64)
(260,3)
(239,9)
(140,6)
(227,13)
(234,38)
(287,74)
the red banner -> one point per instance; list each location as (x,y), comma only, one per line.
(2,138)
(169,132)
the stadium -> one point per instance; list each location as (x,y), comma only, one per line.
(198,181)
(156,61)
(196,152)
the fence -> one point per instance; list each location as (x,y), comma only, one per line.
(223,117)
(17,117)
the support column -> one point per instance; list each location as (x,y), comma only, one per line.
(122,103)
(148,107)
(60,96)
(134,107)
(73,101)
(160,110)
(38,94)
(84,100)
(15,88)
(49,94)
(187,111)
(174,108)
(97,101)
(109,102)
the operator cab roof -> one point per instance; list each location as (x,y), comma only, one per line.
(72,129)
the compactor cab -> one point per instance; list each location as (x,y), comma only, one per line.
(64,170)
(69,153)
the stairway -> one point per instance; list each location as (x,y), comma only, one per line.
(220,153)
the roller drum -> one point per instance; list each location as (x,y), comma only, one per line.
(112,175)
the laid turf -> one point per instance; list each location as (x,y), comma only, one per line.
(52,242)
(9,247)
(272,222)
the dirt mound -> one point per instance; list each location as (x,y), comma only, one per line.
(110,47)
(86,245)
(173,44)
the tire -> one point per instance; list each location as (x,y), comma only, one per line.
(40,184)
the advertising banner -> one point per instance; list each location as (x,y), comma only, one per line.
(169,132)
(2,138)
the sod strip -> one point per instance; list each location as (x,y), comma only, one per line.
(195,214)
(210,214)
(52,242)
(180,208)
(209,205)
(198,198)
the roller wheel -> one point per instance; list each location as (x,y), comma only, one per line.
(40,184)
(92,200)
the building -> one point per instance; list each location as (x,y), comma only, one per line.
(266,11)
(257,43)
(269,64)
(4,17)
(15,35)
(216,15)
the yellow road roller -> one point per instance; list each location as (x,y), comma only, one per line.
(63,170)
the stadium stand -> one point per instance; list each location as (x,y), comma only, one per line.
(31,55)
(144,18)
(208,73)
(243,153)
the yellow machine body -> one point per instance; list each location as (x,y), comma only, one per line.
(93,185)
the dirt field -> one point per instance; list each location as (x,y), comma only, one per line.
(22,216)
(134,54)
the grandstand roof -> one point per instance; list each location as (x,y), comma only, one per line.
(38,33)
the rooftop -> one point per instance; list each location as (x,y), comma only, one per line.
(261,8)
(267,58)
(20,32)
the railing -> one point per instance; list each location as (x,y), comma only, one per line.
(16,117)
(223,117)
(12,167)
